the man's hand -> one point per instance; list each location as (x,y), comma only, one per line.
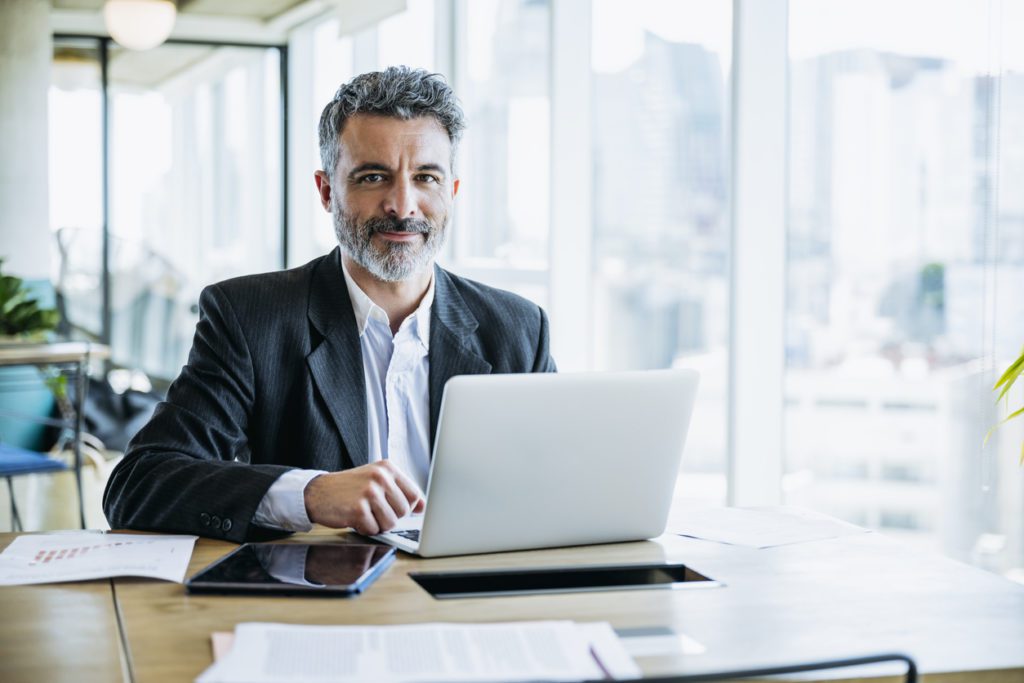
(370,499)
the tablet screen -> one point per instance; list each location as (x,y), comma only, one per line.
(294,569)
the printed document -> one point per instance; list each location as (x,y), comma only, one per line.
(418,653)
(763,527)
(84,555)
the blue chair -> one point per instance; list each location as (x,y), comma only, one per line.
(15,461)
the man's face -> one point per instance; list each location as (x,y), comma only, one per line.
(391,193)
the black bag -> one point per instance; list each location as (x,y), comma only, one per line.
(114,418)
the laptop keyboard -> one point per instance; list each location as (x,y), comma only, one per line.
(411,534)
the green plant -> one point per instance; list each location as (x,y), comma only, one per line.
(21,316)
(1004,385)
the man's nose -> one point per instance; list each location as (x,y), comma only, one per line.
(400,201)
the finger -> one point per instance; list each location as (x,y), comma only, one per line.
(364,520)
(383,514)
(409,489)
(387,477)
(396,498)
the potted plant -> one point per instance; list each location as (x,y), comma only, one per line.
(1004,385)
(21,317)
(24,321)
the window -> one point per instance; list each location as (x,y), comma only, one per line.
(502,213)
(898,298)
(660,187)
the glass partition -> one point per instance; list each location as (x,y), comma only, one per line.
(195,186)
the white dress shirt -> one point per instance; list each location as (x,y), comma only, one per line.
(396,374)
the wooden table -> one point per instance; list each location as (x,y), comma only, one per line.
(850,596)
(59,632)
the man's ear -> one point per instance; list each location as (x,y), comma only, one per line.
(323,188)
(455,188)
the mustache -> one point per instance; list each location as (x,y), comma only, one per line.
(392,224)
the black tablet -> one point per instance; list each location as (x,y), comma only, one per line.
(321,569)
(540,580)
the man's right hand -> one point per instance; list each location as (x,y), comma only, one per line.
(370,499)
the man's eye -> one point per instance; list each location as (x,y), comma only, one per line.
(426,178)
(371,178)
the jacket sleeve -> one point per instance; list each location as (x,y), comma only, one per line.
(188,470)
(543,362)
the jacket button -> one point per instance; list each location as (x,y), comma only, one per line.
(215,521)
(204,519)
(226,525)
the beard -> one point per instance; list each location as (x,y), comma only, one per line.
(389,261)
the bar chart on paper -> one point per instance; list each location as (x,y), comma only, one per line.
(80,556)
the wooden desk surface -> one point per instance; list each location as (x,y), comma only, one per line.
(59,632)
(828,599)
(856,595)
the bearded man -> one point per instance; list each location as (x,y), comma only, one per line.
(312,395)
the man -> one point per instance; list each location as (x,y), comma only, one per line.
(312,395)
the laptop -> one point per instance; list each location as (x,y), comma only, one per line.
(548,460)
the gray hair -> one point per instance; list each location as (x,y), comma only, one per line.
(398,91)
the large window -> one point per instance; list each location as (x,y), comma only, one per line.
(906,262)
(660,235)
(505,90)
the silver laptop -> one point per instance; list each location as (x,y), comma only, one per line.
(548,460)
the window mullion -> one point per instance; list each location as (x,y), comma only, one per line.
(570,236)
(757,275)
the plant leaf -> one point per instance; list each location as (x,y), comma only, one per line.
(1006,389)
(1014,414)
(1011,373)
(988,434)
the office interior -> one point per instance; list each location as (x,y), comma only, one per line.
(811,202)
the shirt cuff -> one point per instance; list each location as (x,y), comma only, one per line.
(284,505)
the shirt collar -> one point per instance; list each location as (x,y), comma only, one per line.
(365,309)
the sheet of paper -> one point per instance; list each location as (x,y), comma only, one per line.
(526,651)
(763,527)
(611,651)
(84,555)
(658,641)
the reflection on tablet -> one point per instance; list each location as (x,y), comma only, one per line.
(262,567)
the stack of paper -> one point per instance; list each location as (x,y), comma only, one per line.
(83,555)
(527,651)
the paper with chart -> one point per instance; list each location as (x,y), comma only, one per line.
(419,653)
(84,555)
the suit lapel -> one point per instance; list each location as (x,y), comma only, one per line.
(452,343)
(336,364)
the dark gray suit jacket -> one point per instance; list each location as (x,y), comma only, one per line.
(274,381)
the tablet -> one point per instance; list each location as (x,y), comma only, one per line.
(321,569)
(541,580)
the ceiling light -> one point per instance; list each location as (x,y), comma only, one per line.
(139,24)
